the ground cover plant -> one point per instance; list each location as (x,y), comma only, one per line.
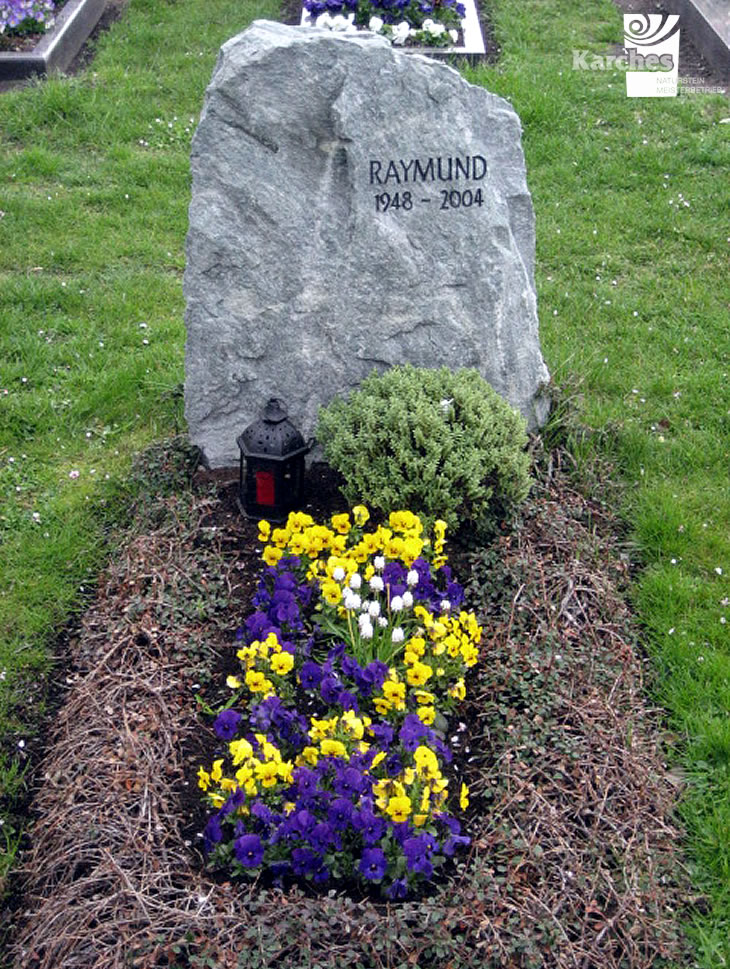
(442,443)
(93,194)
(18,16)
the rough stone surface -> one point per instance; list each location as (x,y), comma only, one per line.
(299,282)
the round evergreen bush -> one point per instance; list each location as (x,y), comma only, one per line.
(441,443)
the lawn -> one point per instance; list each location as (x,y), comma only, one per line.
(631,198)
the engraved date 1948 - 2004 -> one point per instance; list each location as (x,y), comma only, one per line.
(453,199)
(419,172)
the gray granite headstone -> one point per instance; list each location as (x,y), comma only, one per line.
(353,207)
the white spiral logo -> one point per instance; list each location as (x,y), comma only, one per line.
(650,29)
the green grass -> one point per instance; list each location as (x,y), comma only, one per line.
(633,296)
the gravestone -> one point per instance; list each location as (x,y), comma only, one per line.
(353,207)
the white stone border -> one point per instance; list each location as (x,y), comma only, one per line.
(472,30)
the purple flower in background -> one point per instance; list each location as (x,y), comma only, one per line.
(226,724)
(418,851)
(249,850)
(398,889)
(340,813)
(322,836)
(383,733)
(347,700)
(310,675)
(373,864)
(305,862)
(349,781)
(370,826)
(212,834)
(330,688)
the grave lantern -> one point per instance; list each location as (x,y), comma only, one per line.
(271,475)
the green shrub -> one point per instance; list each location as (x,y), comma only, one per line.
(441,443)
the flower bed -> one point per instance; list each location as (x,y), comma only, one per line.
(449,25)
(336,761)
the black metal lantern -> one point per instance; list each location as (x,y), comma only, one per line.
(272,482)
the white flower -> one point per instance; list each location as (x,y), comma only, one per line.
(401,32)
(355,580)
(445,605)
(340,23)
(407,598)
(435,30)
(396,603)
(376,25)
(382,622)
(351,600)
(324,20)
(338,574)
(366,631)
(454,35)
(412,578)
(363,620)
(374,609)
(376,584)
(379,562)
(398,635)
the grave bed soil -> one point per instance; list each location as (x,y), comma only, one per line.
(573,860)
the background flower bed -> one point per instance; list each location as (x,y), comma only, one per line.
(572,860)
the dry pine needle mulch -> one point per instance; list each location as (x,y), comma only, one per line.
(573,860)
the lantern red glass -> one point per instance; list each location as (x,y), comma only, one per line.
(271,474)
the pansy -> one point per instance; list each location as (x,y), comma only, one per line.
(249,850)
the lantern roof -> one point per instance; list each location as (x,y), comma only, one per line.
(272,436)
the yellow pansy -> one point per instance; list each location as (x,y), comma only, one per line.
(271,555)
(341,523)
(267,774)
(217,770)
(257,682)
(264,530)
(332,748)
(426,715)
(282,663)
(399,808)
(331,591)
(395,693)
(204,779)
(458,690)
(418,674)
(464,797)
(240,750)
(360,514)
(310,755)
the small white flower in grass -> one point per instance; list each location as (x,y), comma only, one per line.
(407,598)
(355,580)
(374,609)
(74,474)
(338,574)
(718,570)
(376,584)
(36,516)
(412,578)
(379,562)
(376,24)
(398,635)
(396,603)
